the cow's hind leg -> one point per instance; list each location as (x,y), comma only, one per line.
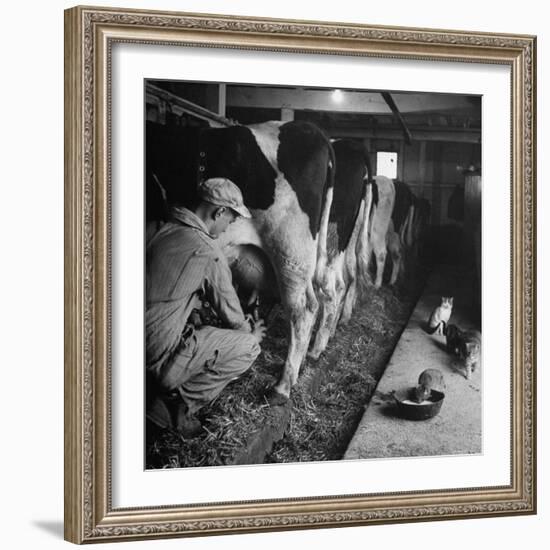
(363,246)
(340,293)
(394,248)
(302,306)
(380,253)
(330,296)
(326,304)
(349,301)
(349,294)
(396,259)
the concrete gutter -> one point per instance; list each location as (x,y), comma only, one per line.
(457,428)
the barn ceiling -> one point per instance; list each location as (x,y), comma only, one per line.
(342,113)
(347,101)
(351,113)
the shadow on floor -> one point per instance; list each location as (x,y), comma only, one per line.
(52,527)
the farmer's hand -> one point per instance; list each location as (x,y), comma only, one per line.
(259,329)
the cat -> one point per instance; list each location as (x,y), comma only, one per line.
(469,350)
(452,334)
(428,380)
(440,316)
(466,344)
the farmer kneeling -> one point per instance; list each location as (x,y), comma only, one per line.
(189,364)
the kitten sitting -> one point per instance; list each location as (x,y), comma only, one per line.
(466,344)
(469,350)
(440,316)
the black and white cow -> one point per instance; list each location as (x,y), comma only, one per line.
(285,172)
(348,223)
(395,250)
(379,231)
(411,217)
(404,199)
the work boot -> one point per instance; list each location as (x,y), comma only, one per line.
(187,424)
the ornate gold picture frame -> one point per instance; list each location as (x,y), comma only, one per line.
(90,35)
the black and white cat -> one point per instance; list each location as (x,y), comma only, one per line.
(440,316)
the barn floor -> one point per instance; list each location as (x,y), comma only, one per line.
(326,405)
(457,428)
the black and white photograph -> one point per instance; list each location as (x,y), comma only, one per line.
(312,274)
(274,275)
(300,275)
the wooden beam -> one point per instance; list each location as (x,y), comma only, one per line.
(396,113)
(222,99)
(156,95)
(433,134)
(350,101)
(401,160)
(313,100)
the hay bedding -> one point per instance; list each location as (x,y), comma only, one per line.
(327,402)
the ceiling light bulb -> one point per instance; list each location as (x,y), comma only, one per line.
(337,96)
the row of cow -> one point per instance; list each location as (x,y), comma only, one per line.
(319,215)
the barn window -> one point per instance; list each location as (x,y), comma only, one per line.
(386,164)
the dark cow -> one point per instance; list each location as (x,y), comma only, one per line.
(284,171)
(401,238)
(338,284)
(413,229)
(411,234)
(404,199)
(420,222)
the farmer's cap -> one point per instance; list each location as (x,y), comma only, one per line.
(223,192)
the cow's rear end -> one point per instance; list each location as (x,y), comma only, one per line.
(292,229)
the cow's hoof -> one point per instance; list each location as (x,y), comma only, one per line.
(276,399)
(314,354)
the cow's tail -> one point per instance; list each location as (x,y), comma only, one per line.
(370,173)
(410,227)
(375,193)
(368,181)
(374,197)
(404,230)
(363,249)
(328,193)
